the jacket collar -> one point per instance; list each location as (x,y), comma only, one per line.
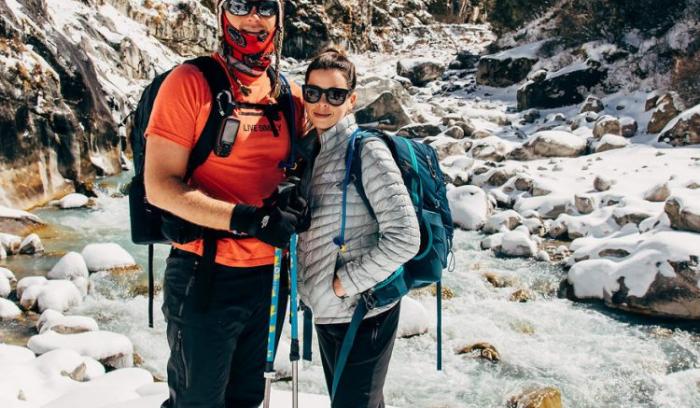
(338,134)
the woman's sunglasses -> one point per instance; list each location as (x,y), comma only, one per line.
(244,7)
(334,96)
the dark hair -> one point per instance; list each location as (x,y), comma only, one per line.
(334,58)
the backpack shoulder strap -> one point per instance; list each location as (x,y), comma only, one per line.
(286,105)
(218,84)
(356,163)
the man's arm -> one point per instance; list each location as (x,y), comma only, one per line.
(166,164)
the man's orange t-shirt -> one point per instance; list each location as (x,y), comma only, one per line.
(250,173)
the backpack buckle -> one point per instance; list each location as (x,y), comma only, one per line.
(370,299)
(225,103)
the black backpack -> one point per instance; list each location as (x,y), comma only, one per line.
(149,224)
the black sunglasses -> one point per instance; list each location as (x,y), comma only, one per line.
(244,7)
(334,96)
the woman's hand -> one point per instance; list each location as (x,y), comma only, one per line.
(337,287)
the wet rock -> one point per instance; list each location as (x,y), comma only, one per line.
(548,397)
(419,130)
(667,107)
(683,212)
(482,350)
(684,129)
(522,296)
(592,104)
(31,245)
(386,111)
(658,193)
(567,86)
(17,222)
(505,68)
(500,281)
(602,184)
(610,142)
(607,125)
(420,71)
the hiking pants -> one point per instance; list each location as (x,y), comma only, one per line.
(217,357)
(362,382)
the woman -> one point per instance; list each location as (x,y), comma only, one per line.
(331,278)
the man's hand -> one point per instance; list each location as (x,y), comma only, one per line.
(270,224)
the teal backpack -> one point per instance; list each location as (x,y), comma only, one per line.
(425,182)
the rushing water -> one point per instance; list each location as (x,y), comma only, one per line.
(597,358)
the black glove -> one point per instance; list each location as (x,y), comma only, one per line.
(269,224)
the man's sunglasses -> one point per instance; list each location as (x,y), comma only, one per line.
(334,96)
(244,7)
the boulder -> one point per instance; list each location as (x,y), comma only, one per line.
(465,59)
(53,320)
(684,129)
(9,310)
(585,204)
(460,121)
(73,200)
(667,107)
(492,148)
(658,193)
(610,142)
(71,265)
(567,86)
(555,143)
(592,104)
(502,221)
(482,350)
(607,125)
(455,132)
(629,126)
(413,320)
(11,243)
(548,397)
(507,67)
(684,212)
(446,147)
(601,183)
(111,349)
(516,244)
(420,71)
(107,257)
(386,112)
(419,130)
(31,245)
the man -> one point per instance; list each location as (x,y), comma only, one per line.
(218,344)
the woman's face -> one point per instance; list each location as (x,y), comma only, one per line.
(322,114)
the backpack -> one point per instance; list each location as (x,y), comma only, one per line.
(149,224)
(425,182)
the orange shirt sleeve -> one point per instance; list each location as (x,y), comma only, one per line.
(182,106)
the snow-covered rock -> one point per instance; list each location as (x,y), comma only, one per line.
(446,146)
(502,221)
(567,86)
(607,125)
(658,193)
(555,143)
(9,310)
(28,281)
(6,279)
(653,273)
(507,67)
(73,200)
(610,142)
(11,243)
(592,104)
(112,349)
(10,354)
(683,210)
(413,320)
(71,265)
(18,221)
(629,126)
(516,244)
(470,206)
(59,295)
(601,183)
(386,107)
(548,206)
(491,148)
(31,245)
(684,129)
(420,70)
(56,321)
(667,107)
(107,256)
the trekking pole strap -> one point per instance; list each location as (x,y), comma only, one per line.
(357,317)
(308,333)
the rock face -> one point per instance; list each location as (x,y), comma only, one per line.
(567,86)
(684,129)
(55,120)
(419,71)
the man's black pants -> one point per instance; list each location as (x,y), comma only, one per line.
(217,357)
(362,382)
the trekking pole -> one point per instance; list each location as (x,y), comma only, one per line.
(283,192)
(294,320)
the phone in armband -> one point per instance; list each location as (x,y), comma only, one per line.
(227,137)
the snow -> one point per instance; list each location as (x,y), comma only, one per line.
(469,206)
(10,354)
(6,212)
(499,222)
(106,256)
(413,319)
(528,51)
(27,282)
(8,310)
(650,254)
(51,319)
(10,242)
(99,345)
(517,243)
(71,265)
(59,295)
(73,200)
